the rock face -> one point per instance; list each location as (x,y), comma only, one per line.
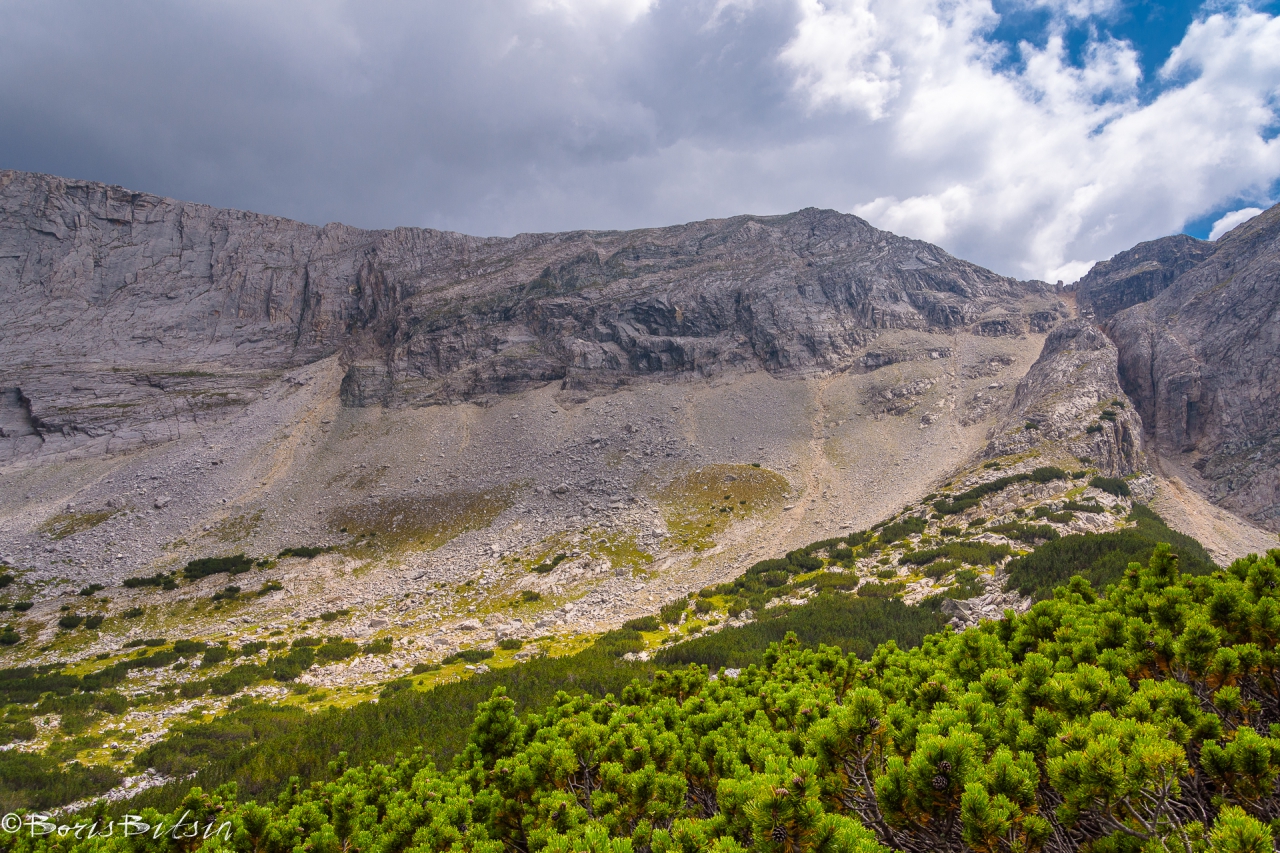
(1139,274)
(129,318)
(1063,398)
(1201,361)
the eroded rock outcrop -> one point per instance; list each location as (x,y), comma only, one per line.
(1072,397)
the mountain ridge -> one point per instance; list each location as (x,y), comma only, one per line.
(103,275)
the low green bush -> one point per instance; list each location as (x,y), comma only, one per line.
(335,651)
(1111,485)
(827,581)
(1101,558)
(227,593)
(549,565)
(468,656)
(972,497)
(158,579)
(973,553)
(1029,533)
(214,655)
(940,569)
(880,590)
(671,613)
(306,552)
(643,623)
(899,530)
(206,566)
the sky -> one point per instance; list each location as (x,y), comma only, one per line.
(1034,137)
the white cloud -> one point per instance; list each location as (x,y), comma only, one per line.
(839,57)
(1049,165)
(582,12)
(1232,219)
(1079,9)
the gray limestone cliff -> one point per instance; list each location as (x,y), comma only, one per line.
(1201,360)
(129,318)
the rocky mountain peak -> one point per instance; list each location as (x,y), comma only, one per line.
(1138,274)
(128,315)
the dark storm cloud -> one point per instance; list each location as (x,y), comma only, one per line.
(501,116)
(382,114)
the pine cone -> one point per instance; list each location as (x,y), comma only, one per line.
(874,723)
(944,766)
(941,783)
(797,781)
(1151,644)
(779,834)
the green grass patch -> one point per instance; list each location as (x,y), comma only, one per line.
(417,522)
(67,524)
(700,503)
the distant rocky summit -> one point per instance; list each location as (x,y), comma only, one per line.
(1072,396)
(1138,274)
